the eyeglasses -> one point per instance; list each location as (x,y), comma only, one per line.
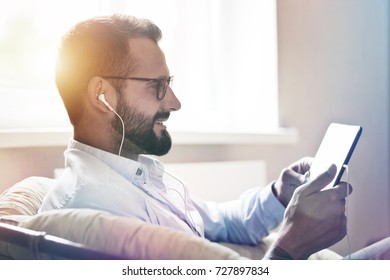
(162,83)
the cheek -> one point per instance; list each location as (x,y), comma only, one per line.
(145,104)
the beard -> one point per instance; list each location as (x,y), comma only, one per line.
(139,133)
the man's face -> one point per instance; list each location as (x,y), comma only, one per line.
(142,113)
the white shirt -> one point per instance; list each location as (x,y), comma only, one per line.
(143,190)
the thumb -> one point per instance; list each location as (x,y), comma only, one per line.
(320,182)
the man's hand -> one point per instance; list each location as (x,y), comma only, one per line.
(290,178)
(315,218)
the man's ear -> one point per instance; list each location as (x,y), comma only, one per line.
(96,87)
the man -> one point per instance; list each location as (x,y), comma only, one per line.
(115,84)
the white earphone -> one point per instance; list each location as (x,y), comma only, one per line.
(102,98)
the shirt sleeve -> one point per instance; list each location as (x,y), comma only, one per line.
(243,221)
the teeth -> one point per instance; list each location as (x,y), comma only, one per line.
(160,121)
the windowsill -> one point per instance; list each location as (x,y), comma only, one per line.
(281,136)
(23,138)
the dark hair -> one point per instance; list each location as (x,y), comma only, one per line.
(97,47)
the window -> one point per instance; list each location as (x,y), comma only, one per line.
(223,54)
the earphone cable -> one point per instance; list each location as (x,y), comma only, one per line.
(347,211)
(123,132)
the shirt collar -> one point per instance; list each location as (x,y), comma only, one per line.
(134,171)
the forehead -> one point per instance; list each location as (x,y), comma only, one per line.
(148,57)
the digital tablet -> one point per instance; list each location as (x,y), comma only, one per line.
(336,147)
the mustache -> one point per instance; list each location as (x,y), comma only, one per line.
(161,115)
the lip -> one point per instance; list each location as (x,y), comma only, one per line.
(160,122)
(161,118)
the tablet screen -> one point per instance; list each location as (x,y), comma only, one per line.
(336,147)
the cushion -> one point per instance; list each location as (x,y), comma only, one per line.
(128,238)
(25,197)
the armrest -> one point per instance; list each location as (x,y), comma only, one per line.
(30,244)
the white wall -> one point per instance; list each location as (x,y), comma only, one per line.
(234,177)
(333,66)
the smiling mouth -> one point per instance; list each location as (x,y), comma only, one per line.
(161,122)
(161,119)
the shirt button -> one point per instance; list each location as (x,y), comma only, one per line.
(139,172)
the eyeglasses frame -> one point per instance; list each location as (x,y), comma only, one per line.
(159,81)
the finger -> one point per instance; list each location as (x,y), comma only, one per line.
(302,165)
(339,192)
(292,177)
(321,181)
(342,190)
